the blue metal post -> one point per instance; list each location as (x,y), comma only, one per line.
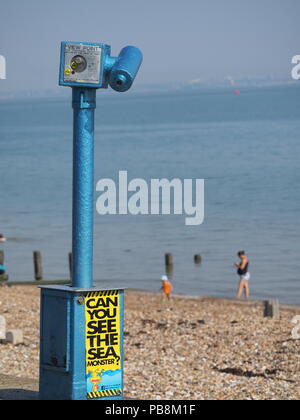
(84,104)
(81,353)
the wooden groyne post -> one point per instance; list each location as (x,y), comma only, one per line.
(38,269)
(169,265)
(271,309)
(197,259)
(169,260)
(1,257)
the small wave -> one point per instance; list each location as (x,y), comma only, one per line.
(18,239)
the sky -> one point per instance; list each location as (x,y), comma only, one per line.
(180,40)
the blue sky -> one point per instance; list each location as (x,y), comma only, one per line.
(181,40)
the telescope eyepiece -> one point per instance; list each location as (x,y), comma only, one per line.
(125,69)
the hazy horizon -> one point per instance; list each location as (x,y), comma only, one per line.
(181,42)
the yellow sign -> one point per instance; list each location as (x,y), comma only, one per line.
(103,343)
(74,65)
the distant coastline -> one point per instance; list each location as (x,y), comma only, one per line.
(197,85)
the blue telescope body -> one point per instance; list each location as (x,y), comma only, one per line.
(123,72)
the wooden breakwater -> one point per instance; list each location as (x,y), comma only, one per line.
(38,272)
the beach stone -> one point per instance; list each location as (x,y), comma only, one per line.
(2,328)
(14,337)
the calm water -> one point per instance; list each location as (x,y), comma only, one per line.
(246,147)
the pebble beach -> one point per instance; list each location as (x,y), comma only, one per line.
(189,348)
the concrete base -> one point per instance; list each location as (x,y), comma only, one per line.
(12,388)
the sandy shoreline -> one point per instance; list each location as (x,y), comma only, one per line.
(192,348)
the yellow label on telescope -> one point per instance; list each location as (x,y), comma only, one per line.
(103,344)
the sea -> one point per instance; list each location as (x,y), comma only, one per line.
(245,146)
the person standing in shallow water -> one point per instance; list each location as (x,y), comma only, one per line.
(2,238)
(243,272)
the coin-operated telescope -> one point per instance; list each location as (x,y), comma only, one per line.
(81,355)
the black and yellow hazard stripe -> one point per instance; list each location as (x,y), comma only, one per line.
(103,293)
(102,394)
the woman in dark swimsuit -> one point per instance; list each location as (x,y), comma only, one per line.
(244,274)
